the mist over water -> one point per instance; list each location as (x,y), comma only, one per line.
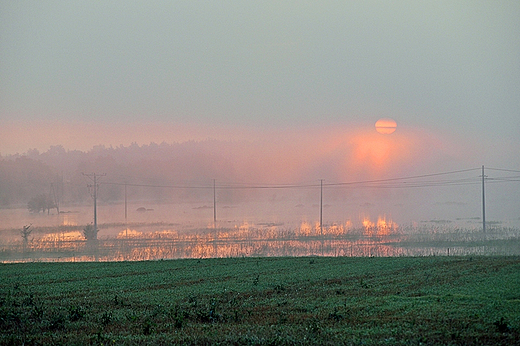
(276,228)
(254,106)
(268,191)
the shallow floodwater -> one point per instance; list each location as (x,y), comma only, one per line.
(167,231)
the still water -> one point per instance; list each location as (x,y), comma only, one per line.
(168,231)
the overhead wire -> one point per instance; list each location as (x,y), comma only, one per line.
(503,179)
(502,169)
(159,186)
(400,182)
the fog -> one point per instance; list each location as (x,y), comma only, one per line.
(374,195)
(408,176)
(262,113)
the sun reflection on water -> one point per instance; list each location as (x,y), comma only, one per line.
(366,237)
(68,219)
(63,236)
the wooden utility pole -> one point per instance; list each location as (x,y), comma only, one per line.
(321,216)
(126,205)
(214,205)
(321,207)
(54,197)
(483,202)
(215,218)
(94,186)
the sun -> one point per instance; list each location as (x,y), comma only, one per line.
(386,126)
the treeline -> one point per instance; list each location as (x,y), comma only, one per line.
(58,173)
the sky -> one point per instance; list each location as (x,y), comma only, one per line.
(310,76)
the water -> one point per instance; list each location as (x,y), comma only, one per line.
(168,231)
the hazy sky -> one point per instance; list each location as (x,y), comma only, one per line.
(303,82)
(82,73)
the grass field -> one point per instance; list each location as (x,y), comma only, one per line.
(264,301)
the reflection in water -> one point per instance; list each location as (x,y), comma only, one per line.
(129,233)
(63,236)
(153,242)
(68,219)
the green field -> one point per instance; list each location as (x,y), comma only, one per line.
(264,301)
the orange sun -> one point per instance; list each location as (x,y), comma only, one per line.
(386,126)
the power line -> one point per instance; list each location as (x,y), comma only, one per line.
(414,181)
(503,170)
(416,185)
(159,186)
(286,186)
(403,178)
(503,179)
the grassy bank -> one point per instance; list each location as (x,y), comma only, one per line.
(259,301)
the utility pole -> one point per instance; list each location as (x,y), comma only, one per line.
(321,215)
(215,218)
(95,186)
(214,205)
(321,207)
(61,188)
(126,213)
(126,205)
(55,199)
(483,202)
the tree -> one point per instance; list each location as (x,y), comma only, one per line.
(40,203)
(25,233)
(90,232)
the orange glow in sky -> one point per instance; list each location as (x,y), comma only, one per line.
(283,155)
(375,153)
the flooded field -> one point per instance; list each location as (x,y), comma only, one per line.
(149,238)
(187,231)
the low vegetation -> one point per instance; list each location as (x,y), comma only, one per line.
(264,301)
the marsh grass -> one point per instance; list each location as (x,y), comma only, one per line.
(264,301)
(276,241)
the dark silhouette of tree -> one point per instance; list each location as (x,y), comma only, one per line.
(22,178)
(25,233)
(40,203)
(90,233)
